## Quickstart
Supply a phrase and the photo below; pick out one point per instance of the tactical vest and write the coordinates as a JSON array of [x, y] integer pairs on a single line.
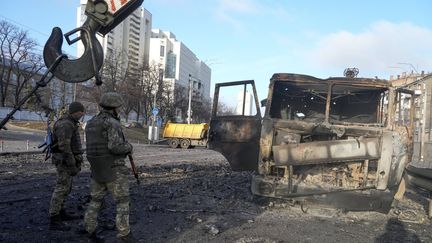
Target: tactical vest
[[100, 158], [96, 136], [75, 142]]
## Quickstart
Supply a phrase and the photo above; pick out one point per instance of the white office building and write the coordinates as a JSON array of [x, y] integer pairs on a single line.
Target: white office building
[[179, 64], [131, 37]]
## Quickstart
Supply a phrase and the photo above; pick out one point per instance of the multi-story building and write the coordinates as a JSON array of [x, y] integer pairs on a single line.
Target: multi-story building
[[141, 46], [131, 37], [417, 104], [179, 65]]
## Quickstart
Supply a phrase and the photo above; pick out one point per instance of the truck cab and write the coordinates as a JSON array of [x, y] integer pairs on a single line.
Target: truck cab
[[335, 141]]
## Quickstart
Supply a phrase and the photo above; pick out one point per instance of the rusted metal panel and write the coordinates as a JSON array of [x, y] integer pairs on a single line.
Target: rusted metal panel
[[369, 199], [237, 140], [384, 164], [332, 140], [238, 130], [236, 137], [300, 78], [327, 151], [303, 127]]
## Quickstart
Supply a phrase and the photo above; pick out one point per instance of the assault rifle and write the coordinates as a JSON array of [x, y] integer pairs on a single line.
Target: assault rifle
[[132, 163], [48, 141]]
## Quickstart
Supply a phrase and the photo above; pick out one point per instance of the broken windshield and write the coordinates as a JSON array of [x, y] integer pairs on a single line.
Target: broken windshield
[[355, 104], [348, 104], [299, 101]]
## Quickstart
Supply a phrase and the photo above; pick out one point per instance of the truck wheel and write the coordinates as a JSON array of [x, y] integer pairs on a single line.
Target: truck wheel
[[185, 143], [174, 143]]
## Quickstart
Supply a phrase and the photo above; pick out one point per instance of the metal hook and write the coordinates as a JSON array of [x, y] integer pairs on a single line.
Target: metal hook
[[83, 68]]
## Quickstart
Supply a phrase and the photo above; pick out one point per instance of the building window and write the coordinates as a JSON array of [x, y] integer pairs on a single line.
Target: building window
[[162, 51], [170, 67], [161, 73]]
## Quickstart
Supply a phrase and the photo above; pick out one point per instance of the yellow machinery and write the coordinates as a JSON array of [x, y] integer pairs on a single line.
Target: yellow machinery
[[186, 135]]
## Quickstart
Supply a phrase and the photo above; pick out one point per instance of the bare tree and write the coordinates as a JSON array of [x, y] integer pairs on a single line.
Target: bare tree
[[25, 74], [225, 110], [138, 93], [136, 86], [128, 89], [116, 77], [180, 100], [150, 88], [18, 65], [201, 111], [167, 110], [139, 87], [201, 108], [115, 70], [89, 94]]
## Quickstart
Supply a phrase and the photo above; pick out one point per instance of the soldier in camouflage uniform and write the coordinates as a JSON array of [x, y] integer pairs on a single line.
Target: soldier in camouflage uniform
[[106, 152], [67, 157]]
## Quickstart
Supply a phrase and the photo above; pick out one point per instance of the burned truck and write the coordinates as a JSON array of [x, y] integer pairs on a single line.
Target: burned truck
[[334, 141]]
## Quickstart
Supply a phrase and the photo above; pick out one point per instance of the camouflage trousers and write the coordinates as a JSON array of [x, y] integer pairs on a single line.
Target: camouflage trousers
[[119, 188], [61, 191]]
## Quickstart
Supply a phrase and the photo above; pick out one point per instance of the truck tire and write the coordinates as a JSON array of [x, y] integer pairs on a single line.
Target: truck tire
[[174, 143], [185, 143]]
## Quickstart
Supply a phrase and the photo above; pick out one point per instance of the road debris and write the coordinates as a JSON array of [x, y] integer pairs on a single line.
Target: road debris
[[206, 203]]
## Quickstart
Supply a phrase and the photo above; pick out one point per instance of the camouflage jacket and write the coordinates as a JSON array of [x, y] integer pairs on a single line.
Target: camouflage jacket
[[66, 144], [104, 136]]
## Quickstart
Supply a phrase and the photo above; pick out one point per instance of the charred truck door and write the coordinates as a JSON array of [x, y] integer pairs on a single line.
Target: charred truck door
[[235, 131]]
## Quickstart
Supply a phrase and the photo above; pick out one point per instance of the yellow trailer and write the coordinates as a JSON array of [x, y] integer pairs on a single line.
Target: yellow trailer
[[186, 135]]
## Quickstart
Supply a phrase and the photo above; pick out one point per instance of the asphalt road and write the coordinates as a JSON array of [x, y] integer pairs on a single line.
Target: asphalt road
[[193, 196], [190, 196], [15, 133], [17, 139]]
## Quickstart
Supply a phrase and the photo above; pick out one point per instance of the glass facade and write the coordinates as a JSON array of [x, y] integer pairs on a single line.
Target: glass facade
[[170, 68]]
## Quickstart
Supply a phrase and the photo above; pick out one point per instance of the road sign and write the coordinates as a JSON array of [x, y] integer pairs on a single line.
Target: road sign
[[155, 111]]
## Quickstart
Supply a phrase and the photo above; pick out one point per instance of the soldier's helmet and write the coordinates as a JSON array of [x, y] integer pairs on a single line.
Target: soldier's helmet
[[111, 100]]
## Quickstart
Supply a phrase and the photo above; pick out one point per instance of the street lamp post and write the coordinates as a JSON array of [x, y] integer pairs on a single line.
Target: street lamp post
[[154, 106], [153, 134], [74, 92], [189, 115]]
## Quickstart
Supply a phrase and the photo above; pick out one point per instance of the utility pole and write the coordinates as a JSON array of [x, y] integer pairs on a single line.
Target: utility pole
[[189, 115], [74, 91], [153, 133], [154, 106]]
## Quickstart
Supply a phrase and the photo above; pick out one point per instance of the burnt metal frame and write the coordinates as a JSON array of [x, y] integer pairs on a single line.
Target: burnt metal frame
[[331, 82], [234, 83], [330, 86]]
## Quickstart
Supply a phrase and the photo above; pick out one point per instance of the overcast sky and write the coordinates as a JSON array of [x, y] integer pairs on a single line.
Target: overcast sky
[[252, 39]]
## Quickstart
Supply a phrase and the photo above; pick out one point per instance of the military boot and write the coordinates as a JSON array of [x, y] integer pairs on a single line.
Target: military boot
[[129, 238], [67, 216], [56, 223], [94, 238]]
